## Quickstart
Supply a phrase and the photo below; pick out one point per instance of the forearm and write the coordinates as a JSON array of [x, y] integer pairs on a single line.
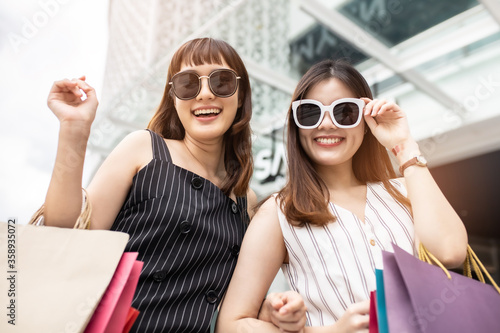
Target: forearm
[[321, 329], [252, 325], [437, 225], [63, 201]]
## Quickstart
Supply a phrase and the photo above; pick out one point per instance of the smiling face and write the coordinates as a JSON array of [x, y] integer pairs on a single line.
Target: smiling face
[[206, 118], [328, 145]]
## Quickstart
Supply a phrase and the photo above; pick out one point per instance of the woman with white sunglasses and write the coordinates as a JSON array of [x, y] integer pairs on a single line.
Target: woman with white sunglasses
[[341, 206]]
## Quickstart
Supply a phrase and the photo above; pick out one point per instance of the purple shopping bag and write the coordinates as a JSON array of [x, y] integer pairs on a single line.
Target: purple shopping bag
[[421, 299]]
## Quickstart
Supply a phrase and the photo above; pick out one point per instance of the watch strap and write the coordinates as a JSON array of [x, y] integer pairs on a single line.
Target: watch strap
[[412, 161]]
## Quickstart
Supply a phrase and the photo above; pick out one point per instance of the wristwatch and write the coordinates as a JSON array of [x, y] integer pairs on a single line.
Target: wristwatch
[[418, 160]]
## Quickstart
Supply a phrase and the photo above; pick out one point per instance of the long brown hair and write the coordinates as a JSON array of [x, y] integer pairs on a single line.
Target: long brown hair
[[237, 140], [304, 199]]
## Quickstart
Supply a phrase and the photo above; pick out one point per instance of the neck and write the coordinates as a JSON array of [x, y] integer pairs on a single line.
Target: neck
[[338, 177], [209, 156]]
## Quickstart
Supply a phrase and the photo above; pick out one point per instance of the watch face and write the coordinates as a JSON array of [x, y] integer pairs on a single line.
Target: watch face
[[421, 160]]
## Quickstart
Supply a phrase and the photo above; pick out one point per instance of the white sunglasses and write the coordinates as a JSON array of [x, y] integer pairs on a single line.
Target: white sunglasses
[[344, 112]]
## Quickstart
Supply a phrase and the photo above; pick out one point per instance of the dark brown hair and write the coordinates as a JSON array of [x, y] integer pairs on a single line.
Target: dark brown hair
[[304, 199], [237, 140]]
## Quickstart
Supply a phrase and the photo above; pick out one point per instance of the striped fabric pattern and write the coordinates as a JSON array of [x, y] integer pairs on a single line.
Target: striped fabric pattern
[[333, 266], [188, 233]]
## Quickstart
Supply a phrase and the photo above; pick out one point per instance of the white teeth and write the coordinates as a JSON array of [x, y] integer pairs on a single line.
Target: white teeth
[[328, 140], [206, 111]]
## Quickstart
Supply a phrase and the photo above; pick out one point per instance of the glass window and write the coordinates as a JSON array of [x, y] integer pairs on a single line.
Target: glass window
[[393, 21]]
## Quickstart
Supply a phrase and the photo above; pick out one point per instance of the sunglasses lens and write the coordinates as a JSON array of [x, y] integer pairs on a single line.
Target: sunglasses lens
[[186, 85], [308, 114], [346, 114], [223, 83]]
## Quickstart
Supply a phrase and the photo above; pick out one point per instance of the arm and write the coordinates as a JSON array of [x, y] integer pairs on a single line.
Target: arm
[[261, 255], [111, 183], [64, 196], [437, 225]]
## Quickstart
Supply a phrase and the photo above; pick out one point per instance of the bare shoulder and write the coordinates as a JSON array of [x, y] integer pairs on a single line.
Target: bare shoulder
[[137, 138], [268, 210], [136, 148]]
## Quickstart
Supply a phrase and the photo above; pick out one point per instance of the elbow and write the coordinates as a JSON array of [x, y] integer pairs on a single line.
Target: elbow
[[453, 251], [455, 257]]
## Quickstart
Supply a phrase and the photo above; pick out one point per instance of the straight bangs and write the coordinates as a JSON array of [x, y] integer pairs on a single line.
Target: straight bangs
[[199, 52]]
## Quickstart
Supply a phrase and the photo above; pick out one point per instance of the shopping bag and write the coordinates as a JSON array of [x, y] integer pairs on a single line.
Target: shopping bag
[[56, 276], [380, 306], [421, 298], [373, 324], [113, 312], [131, 317]]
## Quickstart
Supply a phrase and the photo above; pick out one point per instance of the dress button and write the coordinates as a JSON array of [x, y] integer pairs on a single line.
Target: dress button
[[372, 242], [197, 183], [235, 250], [159, 276], [185, 227], [234, 208], [211, 296]]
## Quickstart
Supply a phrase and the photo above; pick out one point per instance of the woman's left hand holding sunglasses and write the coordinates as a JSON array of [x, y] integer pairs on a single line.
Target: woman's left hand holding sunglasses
[[387, 122]]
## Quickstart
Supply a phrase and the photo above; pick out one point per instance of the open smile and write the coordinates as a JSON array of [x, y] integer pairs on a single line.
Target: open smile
[[329, 140], [211, 112]]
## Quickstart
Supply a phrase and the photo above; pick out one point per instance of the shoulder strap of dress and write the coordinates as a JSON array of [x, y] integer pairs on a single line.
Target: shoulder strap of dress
[[160, 149]]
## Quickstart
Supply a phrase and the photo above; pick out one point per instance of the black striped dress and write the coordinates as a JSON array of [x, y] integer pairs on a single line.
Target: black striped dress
[[188, 234]]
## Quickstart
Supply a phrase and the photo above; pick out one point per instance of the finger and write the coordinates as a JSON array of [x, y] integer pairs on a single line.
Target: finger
[[369, 106], [75, 90], [362, 307], [87, 89], [388, 107], [292, 306], [377, 107], [64, 86], [370, 121], [289, 302], [274, 300], [291, 317]]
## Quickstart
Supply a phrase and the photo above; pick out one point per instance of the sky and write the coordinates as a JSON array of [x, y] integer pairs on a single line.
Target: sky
[[40, 42]]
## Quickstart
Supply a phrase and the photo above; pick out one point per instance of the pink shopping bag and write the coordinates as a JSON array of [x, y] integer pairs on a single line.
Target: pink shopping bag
[[112, 315]]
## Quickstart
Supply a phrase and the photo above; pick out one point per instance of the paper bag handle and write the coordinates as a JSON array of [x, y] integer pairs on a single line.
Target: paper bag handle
[[83, 221], [470, 260]]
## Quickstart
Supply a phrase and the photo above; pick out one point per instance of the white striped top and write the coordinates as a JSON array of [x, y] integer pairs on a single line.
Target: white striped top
[[332, 266]]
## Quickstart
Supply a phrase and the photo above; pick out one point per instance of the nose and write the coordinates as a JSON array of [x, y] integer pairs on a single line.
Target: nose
[[326, 122], [205, 92]]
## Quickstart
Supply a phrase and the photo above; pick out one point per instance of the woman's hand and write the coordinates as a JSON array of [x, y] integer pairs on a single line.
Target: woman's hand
[[66, 102], [355, 319], [286, 311], [387, 122]]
